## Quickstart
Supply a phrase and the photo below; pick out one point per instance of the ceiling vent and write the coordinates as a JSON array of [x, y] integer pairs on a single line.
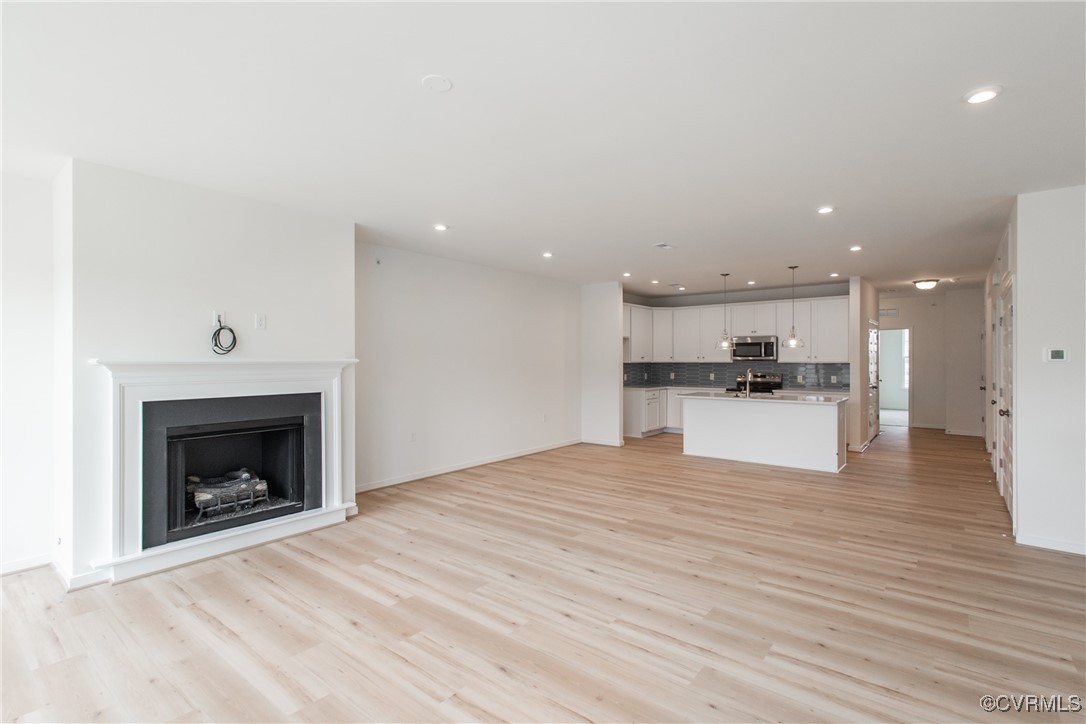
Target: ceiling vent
[[665, 247]]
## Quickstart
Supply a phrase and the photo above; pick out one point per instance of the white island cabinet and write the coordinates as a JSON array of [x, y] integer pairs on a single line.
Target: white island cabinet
[[793, 430]]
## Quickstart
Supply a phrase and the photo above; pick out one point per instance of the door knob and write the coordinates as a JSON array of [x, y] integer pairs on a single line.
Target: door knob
[[1004, 413], [993, 402]]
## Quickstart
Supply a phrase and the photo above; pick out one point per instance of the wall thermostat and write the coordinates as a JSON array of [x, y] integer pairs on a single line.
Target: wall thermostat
[[1055, 355]]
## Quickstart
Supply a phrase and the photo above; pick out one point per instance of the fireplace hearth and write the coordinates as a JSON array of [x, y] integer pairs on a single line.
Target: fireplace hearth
[[218, 463]]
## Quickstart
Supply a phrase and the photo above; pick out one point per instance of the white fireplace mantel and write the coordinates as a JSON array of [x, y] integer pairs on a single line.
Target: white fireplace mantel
[[134, 383]]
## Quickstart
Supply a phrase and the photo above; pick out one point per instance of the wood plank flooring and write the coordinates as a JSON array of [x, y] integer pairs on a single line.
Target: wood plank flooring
[[588, 583]]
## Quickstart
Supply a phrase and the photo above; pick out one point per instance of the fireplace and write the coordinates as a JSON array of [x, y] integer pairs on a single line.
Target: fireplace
[[218, 463]]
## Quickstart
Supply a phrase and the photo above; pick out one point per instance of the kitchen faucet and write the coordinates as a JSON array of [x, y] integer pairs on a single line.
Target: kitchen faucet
[[750, 373]]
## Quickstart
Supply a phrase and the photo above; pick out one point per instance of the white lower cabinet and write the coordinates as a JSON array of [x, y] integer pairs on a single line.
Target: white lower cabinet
[[674, 409], [644, 411]]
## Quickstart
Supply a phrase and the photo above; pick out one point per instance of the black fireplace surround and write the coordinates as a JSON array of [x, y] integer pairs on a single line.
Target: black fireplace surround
[[276, 438]]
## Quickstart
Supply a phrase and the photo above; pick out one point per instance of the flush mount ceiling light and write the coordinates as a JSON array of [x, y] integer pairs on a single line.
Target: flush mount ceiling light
[[983, 95], [440, 227], [547, 255], [655, 281], [825, 209], [625, 274], [926, 283], [682, 289], [436, 83], [726, 341], [855, 248], [751, 283], [835, 274], [793, 342]]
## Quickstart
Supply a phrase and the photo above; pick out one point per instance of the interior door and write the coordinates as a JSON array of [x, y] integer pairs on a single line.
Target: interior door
[[872, 382], [1004, 399]]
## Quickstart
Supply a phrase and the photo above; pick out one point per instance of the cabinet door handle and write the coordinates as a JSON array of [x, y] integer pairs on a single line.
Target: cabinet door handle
[[1004, 413]]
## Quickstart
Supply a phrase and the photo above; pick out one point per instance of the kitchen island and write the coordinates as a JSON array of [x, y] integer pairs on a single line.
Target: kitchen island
[[795, 430]]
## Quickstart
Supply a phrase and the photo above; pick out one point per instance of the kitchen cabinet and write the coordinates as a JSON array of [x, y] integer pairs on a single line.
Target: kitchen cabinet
[[803, 331], [821, 323], [662, 343], [829, 330], [640, 334], [674, 409], [643, 411], [748, 320], [696, 332]]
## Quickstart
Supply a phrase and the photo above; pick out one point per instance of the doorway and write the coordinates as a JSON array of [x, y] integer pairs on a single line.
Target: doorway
[[894, 377]]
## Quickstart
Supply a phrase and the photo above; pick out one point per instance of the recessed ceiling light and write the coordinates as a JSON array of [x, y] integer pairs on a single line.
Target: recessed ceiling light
[[825, 209], [436, 83], [855, 248], [750, 283], [547, 255], [440, 227], [625, 274], [682, 289], [926, 283], [835, 274], [655, 281], [983, 95]]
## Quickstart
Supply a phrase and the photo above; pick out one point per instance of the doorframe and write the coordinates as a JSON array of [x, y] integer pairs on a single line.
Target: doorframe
[[1006, 289], [909, 394]]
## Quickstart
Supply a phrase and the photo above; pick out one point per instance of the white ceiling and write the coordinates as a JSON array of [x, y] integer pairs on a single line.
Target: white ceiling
[[589, 130]]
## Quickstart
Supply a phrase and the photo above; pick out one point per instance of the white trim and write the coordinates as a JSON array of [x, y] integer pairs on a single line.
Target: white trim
[[1052, 544], [965, 433], [134, 383], [362, 487], [601, 441], [24, 564]]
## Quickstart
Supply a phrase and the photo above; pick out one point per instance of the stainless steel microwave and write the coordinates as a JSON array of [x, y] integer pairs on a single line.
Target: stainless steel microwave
[[754, 348]]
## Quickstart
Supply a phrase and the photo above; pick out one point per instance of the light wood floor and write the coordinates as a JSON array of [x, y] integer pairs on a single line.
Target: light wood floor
[[588, 583]]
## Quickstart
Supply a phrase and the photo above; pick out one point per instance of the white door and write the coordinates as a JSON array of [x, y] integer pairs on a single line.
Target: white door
[[872, 383], [1004, 399]]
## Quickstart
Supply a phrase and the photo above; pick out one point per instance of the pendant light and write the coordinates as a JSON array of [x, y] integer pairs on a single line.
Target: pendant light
[[725, 342], [793, 342]]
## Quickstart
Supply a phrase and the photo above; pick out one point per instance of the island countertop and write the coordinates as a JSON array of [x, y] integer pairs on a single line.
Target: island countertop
[[820, 398]]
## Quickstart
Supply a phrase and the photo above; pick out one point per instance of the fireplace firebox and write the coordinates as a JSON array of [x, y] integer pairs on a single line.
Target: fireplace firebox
[[217, 463]]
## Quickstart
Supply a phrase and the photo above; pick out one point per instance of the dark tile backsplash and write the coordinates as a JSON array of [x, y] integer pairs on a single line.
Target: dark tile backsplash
[[687, 374]]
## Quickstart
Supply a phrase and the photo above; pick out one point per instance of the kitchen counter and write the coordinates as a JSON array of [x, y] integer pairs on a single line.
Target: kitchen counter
[[789, 429]]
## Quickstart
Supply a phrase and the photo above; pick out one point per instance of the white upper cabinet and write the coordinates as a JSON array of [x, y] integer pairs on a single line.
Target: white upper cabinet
[[803, 331], [662, 344], [695, 332], [640, 334], [748, 320], [686, 335], [712, 328], [829, 330]]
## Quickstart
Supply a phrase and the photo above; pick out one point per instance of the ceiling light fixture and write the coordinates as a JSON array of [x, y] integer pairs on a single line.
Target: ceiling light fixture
[[440, 227], [682, 289], [983, 95], [926, 283], [751, 283], [725, 342], [436, 83], [655, 281], [825, 209], [625, 274], [835, 275], [793, 342], [547, 255], [855, 248]]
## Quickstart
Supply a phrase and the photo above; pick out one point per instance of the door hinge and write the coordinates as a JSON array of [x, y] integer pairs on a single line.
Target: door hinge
[[1001, 462]]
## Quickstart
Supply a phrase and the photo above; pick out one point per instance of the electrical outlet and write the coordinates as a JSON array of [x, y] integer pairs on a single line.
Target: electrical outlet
[[646, 375], [833, 379], [672, 375], [217, 318], [260, 321], [799, 379], [625, 377], [712, 376]]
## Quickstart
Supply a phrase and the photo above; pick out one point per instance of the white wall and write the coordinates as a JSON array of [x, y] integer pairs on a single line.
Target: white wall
[[151, 259], [601, 363], [26, 380], [964, 351], [1050, 397], [924, 316], [460, 364]]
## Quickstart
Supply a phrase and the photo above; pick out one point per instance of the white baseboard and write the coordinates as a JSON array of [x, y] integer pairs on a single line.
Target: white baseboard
[[24, 564], [363, 487], [601, 441], [1052, 544], [967, 433], [84, 580]]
